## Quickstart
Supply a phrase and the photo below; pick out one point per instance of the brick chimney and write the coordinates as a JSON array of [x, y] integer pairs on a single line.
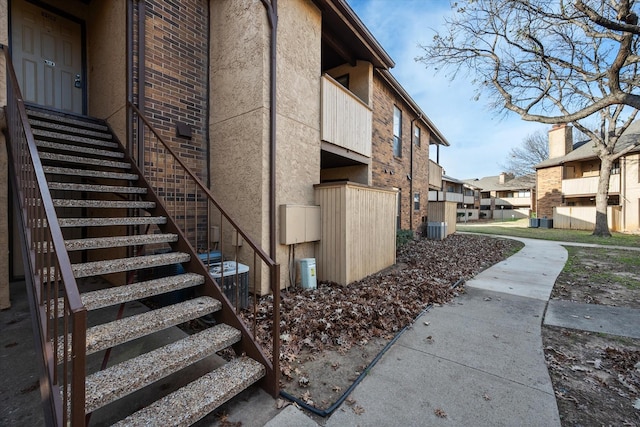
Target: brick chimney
[[502, 178], [560, 140]]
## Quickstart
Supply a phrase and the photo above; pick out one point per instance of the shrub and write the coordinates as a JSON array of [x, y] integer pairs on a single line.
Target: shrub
[[403, 237]]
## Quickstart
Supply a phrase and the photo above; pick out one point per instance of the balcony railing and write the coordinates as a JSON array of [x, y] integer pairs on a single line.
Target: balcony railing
[[507, 201], [588, 186], [435, 175], [346, 120], [469, 200]]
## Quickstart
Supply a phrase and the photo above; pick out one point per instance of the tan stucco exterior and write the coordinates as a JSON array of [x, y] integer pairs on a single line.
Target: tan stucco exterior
[[4, 174], [106, 68], [239, 118], [630, 192]]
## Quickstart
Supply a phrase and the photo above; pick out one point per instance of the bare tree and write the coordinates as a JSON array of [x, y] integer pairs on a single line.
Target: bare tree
[[551, 61], [522, 159]]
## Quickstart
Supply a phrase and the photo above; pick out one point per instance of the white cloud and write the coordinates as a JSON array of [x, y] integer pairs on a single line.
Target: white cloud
[[480, 138]]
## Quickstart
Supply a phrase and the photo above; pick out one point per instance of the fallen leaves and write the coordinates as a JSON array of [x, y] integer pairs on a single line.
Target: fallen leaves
[[440, 413], [334, 317]]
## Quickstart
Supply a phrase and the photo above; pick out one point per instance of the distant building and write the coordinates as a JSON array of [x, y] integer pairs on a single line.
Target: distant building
[[505, 196], [567, 182]]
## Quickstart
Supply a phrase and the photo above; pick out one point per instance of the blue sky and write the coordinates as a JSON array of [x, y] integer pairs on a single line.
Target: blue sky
[[480, 138]]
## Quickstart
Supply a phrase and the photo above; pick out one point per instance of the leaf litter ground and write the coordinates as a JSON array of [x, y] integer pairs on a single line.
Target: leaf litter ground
[[329, 335]]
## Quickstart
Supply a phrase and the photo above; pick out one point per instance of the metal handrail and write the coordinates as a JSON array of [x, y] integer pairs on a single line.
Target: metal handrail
[[170, 159], [49, 266]]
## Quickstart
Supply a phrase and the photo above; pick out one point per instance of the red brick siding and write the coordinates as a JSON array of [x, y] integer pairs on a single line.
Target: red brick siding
[[549, 191], [392, 172], [176, 61]]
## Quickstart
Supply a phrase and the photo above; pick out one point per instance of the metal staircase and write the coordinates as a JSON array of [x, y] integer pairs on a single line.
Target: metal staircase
[[86, 210]]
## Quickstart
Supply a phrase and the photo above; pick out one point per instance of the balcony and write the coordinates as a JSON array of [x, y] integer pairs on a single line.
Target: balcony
[[588, 186], [346, 120], [469, 200], [435, 175], [445, 196], [515, 202]]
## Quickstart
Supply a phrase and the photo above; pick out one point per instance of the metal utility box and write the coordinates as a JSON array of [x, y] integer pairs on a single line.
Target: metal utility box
[[233, 278], [308, 273], [299, 224]]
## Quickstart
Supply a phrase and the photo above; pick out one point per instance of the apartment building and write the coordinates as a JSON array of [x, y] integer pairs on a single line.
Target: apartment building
[[567, 182]]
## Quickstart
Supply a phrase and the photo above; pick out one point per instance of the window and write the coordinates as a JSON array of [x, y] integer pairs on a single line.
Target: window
[[397, 132], [416, 201], [416, 136], [615, 168]]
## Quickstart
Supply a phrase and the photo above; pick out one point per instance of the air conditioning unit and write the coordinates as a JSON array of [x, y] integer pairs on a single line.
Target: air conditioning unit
[[436, 230]]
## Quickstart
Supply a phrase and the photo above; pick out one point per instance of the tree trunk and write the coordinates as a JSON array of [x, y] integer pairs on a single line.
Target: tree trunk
[[602, 226]]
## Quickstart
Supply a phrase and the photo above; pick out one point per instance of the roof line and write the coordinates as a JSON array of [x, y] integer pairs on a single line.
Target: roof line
[[388, 77]]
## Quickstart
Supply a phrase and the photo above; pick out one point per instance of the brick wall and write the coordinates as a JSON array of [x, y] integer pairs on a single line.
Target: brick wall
[[549, 191], [176, 75], [389, 171]]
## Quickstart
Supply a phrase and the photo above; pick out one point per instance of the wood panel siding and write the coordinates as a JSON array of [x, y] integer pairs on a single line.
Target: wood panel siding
[[435, 175], [346, 120], [588, 186], [357, 229], [584, 217], [444, 212]]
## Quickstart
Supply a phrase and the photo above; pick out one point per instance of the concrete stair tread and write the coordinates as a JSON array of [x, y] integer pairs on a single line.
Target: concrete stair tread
[[96, 268], [195, 400], [102, 298], [107, 335], [57, 118], [98, 222], [84, 160], [62, 130], [89, 173], [122, 379], [118, 204], [94, 188], [118, 241], [79, 149]]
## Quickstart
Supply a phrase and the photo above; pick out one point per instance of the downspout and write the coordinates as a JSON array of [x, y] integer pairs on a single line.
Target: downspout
[[272, 15]]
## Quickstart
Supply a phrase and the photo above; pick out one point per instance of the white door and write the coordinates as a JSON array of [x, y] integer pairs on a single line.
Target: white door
[[47, 56]]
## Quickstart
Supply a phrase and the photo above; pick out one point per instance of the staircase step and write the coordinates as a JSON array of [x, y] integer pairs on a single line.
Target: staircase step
[[116, 204], [61, 131], [44, 134], [78, 149], [92, 188], [121, 294], [84, 160], [107, 335], [191, 403], [122, 379], [57, 118], [89, 173], [96, 268], [98, 222], [118, 241]]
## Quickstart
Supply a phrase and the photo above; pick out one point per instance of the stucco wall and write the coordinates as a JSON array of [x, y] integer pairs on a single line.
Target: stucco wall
[[4, 199], [360, 79], [106, 68], [631, 193], [239, 117]]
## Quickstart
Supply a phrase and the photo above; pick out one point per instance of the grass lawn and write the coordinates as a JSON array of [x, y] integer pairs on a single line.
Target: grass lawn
[[520, 228]]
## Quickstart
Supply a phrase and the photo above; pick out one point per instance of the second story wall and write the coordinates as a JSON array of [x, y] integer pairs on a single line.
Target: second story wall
[[393, 171]]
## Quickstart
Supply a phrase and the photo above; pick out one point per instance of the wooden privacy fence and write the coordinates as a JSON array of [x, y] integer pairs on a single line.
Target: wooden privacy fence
[[358, 233], [584, 217]]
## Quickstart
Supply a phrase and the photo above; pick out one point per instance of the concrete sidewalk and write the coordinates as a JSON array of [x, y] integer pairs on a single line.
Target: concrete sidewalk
[[479, 360]]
